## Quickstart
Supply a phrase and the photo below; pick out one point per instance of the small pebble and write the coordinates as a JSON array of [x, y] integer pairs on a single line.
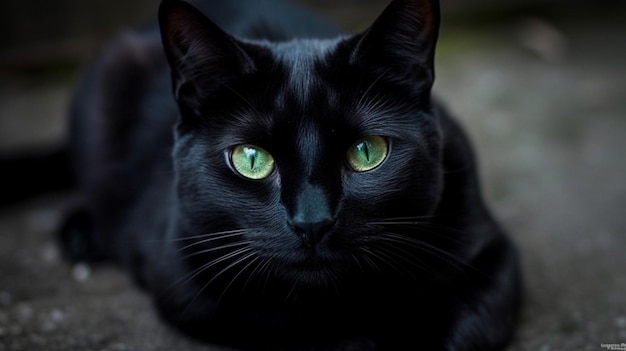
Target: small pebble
[[57, 315], [50, 253], [81, 272], [5, 299], [24, 312], [545, 348], [621, 322]]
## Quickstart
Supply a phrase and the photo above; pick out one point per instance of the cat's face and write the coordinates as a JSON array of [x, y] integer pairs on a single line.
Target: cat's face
[[303, 159]]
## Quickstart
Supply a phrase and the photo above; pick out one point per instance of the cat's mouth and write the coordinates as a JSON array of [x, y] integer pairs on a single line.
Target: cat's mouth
[[311, 268], [311, 276]]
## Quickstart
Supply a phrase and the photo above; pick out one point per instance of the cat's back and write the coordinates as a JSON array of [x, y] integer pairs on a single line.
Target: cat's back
[[274, 20]]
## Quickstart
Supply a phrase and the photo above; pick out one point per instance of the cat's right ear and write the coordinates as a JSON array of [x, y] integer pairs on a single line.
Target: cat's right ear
[[200, 54], [402, 41]]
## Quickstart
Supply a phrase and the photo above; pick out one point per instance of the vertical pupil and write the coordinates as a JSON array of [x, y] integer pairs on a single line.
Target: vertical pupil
[[251, 155], [363, 147]]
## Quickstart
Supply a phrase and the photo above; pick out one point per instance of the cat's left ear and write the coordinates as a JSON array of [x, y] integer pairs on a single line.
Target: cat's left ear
[[199, 52], [402, 39]]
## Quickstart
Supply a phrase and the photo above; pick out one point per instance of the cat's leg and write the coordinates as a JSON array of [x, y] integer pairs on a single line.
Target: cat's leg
[[487, 316], [77, 238]]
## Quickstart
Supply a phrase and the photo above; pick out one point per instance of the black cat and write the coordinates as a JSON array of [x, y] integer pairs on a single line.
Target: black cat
[[312, 196]]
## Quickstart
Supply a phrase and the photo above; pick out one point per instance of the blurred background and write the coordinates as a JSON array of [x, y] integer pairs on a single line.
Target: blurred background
[[540, 85]]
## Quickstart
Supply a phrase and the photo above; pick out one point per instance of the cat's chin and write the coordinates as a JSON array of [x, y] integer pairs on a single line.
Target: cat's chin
[[311, 278], [310, 271]]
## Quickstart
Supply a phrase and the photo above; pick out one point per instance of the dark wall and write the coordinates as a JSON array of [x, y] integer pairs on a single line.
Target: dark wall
[[35, 32]]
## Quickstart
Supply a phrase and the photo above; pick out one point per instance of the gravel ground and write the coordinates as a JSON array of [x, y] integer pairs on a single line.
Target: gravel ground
[[545, 104]]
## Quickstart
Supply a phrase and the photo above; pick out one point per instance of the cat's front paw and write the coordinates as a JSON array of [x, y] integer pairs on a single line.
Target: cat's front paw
[[76, 238]]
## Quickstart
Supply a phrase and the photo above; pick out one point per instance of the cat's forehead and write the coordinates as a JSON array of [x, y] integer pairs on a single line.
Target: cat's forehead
[[300, 52], [300, 58]]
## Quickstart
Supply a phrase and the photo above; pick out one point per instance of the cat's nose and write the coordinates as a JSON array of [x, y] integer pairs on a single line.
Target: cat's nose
[[312, 219], [312, 232]]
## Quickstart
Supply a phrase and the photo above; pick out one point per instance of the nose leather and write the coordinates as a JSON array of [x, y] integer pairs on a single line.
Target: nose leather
[[312, 219]]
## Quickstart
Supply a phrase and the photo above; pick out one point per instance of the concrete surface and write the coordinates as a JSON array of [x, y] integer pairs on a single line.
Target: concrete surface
[[543, 98]]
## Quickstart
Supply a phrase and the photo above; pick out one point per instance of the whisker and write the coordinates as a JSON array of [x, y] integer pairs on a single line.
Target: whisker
[[413, 260], [424, 227], [373, 255], [201, 236], [409, 220], [451, 234], [266, 271], [294, 289], [236, 262], [449, 258], [204, 237], [396, 223], [368, 260], [213, 237], [239, 260], [191, 275], [221, 247], [259, 269], [391, 260], [332, 278], [358, 263]]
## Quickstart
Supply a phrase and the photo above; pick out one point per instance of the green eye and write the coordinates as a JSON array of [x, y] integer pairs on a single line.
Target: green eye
[[367, 153], [252, 161]]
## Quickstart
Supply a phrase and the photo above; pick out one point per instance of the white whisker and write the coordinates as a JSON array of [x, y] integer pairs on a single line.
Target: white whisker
[[258, 270], [200, 236], [225, 257], [239, 260], [369, 260], [390, 257], [213, 237], [358, 263], [216, 248], [435, 251], [191, 275], [294, 289]]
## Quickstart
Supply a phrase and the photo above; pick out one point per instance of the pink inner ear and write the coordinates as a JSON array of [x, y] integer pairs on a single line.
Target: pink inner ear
[[425, 12], [180, 24], [428, 17], [406, 31]]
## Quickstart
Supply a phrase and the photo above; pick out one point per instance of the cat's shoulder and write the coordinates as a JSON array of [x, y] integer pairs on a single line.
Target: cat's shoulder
[[131, 53]]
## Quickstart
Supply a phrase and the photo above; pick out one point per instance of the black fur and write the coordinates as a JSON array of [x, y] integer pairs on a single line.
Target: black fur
[[31, 173], [316, 256]]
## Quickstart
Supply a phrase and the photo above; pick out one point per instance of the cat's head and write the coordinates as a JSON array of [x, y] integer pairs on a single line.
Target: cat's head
[[302, 159]]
